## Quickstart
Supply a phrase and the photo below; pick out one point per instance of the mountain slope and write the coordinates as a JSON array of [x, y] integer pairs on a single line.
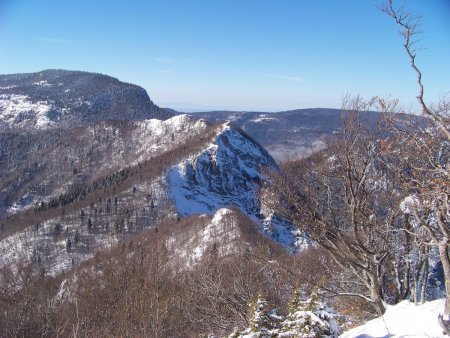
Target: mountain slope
[[82, 165], [103, 181], [229, 172], [36, 166], [58, 216], [61, 98]]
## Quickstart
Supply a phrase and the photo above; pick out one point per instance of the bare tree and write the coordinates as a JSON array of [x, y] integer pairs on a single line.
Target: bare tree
[[25, 301], [344, 200], [409, 29], [426, 156]]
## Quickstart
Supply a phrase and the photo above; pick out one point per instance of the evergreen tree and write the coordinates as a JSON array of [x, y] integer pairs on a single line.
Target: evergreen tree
[[258, 315], [309, 318], [264, 322]]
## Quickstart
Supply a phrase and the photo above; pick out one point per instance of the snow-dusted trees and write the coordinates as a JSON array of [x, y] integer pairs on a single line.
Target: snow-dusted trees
[[263, 320], [425, 156], [307, 318], [344, 200], [348, 198]]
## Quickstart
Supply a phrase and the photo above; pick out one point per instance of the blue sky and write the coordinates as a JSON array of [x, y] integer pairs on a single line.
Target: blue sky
[[266, 55]]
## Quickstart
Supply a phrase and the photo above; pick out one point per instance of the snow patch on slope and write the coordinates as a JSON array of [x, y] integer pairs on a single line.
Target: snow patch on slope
[[155, 136], [39, 243], [218, 235], [284, 233], [20, 110], [217, 230], [262, 118], [42, 83], [23, 203]]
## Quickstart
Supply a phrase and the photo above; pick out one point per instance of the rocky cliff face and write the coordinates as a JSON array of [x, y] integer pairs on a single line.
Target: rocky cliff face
[[229, 172]]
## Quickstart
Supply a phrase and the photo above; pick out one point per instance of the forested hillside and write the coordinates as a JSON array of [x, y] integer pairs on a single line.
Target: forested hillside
[[61, 98]]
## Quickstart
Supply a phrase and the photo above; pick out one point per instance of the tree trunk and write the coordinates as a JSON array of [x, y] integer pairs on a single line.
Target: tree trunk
[[376, 294], [406, 281], [424, 286], [443, 254], [416, 283], [403, 282], [444, 320]]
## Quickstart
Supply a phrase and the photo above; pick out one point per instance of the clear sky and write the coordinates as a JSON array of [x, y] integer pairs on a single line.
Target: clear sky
[[266, 55]]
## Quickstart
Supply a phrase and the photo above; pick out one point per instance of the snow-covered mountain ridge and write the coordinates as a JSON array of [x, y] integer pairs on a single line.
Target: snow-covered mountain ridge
[[82, 162], [229, 172], [90, 151], [130, 151], [137, 174]]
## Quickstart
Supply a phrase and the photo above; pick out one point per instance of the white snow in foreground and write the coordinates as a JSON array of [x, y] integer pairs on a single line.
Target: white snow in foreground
[[403, 320]]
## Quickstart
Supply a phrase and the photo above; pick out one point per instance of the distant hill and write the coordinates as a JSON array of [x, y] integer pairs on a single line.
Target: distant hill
[[62, 98], [286, 135]]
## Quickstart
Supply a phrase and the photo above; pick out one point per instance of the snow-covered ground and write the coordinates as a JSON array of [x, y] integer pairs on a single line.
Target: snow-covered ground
[[47, 242], [217, 230], [263, 117], [403, 320]]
